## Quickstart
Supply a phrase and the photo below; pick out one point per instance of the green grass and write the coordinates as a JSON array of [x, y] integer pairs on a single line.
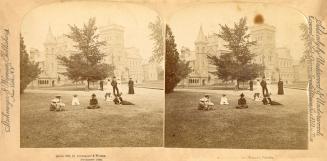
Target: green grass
[[139, 125], [258, 127]]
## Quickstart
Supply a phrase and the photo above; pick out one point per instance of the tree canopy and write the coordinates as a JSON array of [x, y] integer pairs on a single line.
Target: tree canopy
[[175, 69], [236, 63], [29, 70], [157, 35], [87, 62]]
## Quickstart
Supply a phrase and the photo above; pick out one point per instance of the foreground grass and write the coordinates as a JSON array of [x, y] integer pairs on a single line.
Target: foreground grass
[[259, 127], [110, 126]]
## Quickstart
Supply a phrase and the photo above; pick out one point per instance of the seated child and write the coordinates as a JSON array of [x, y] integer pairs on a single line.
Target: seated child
[[75, 100], [56, 104], [242, 102], [93, 102], [119, 100], [224, 100], [107, 96], [256, 96], [205, 103]]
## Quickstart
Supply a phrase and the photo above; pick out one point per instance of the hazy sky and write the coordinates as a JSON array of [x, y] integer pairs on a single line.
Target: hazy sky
[[134, 18], [185, 24]]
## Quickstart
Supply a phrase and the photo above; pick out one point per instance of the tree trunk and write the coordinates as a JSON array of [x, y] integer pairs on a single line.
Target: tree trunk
[[88, 84]]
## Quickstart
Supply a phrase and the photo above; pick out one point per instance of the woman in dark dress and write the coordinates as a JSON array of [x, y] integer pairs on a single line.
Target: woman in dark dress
[[130, 86], [280, 87]]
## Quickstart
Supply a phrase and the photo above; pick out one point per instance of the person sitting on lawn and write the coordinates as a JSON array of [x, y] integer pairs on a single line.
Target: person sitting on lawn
[[224, 100], [267, 101], [119, 100], [75, 100], [242, 102], [205, 103], [56, 104], [93, 102]]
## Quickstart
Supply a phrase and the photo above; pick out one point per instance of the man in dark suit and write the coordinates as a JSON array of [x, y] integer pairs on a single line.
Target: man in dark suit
[[263, 84], [114, 86]]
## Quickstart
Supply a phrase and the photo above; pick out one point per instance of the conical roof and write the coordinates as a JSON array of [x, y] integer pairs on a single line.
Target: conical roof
[[50, 39], [201, 37]]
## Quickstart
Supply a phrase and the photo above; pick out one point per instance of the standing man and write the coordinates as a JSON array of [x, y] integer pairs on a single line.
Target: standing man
[[280, 87], [263, 84], [101, 85], [114, 86], [130, 86], [251, 85]]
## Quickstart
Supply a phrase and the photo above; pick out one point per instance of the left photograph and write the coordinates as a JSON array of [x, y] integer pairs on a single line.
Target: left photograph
[[91, 75]]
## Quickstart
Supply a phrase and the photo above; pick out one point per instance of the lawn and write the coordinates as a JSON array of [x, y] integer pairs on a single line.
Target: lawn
[[258, 127], [112, 125]]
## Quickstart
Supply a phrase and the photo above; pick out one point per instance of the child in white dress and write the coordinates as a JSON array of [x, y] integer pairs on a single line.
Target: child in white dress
[[224, 100], [75, 100], [257, 91]]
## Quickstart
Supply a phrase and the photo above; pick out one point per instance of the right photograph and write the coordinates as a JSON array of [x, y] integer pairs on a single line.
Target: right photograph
[[236, 77]]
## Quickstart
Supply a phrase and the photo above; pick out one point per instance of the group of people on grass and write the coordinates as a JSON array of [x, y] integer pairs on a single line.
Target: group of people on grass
[[264, 87], [206, 104], [58, 105]]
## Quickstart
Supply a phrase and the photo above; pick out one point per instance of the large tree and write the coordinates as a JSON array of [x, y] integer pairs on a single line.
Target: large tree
[[236, 64], [157, 35], [29, 70], [175, 69], [87, 62]]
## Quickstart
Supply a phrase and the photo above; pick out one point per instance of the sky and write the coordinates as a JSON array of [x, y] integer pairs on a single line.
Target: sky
[[185, 24], [134, 18]]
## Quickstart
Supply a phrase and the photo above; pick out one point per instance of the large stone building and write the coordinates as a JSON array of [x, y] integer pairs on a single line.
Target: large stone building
[[198, 61], [51, 69], [127, 60], [278, 62]]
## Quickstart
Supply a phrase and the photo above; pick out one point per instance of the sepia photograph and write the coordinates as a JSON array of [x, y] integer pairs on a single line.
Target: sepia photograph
[[236, 77], [91, 75]]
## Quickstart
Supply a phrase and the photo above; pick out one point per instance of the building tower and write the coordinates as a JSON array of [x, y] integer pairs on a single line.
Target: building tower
[[113, 35], [264, 35], [201, 57], [50, 55]]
